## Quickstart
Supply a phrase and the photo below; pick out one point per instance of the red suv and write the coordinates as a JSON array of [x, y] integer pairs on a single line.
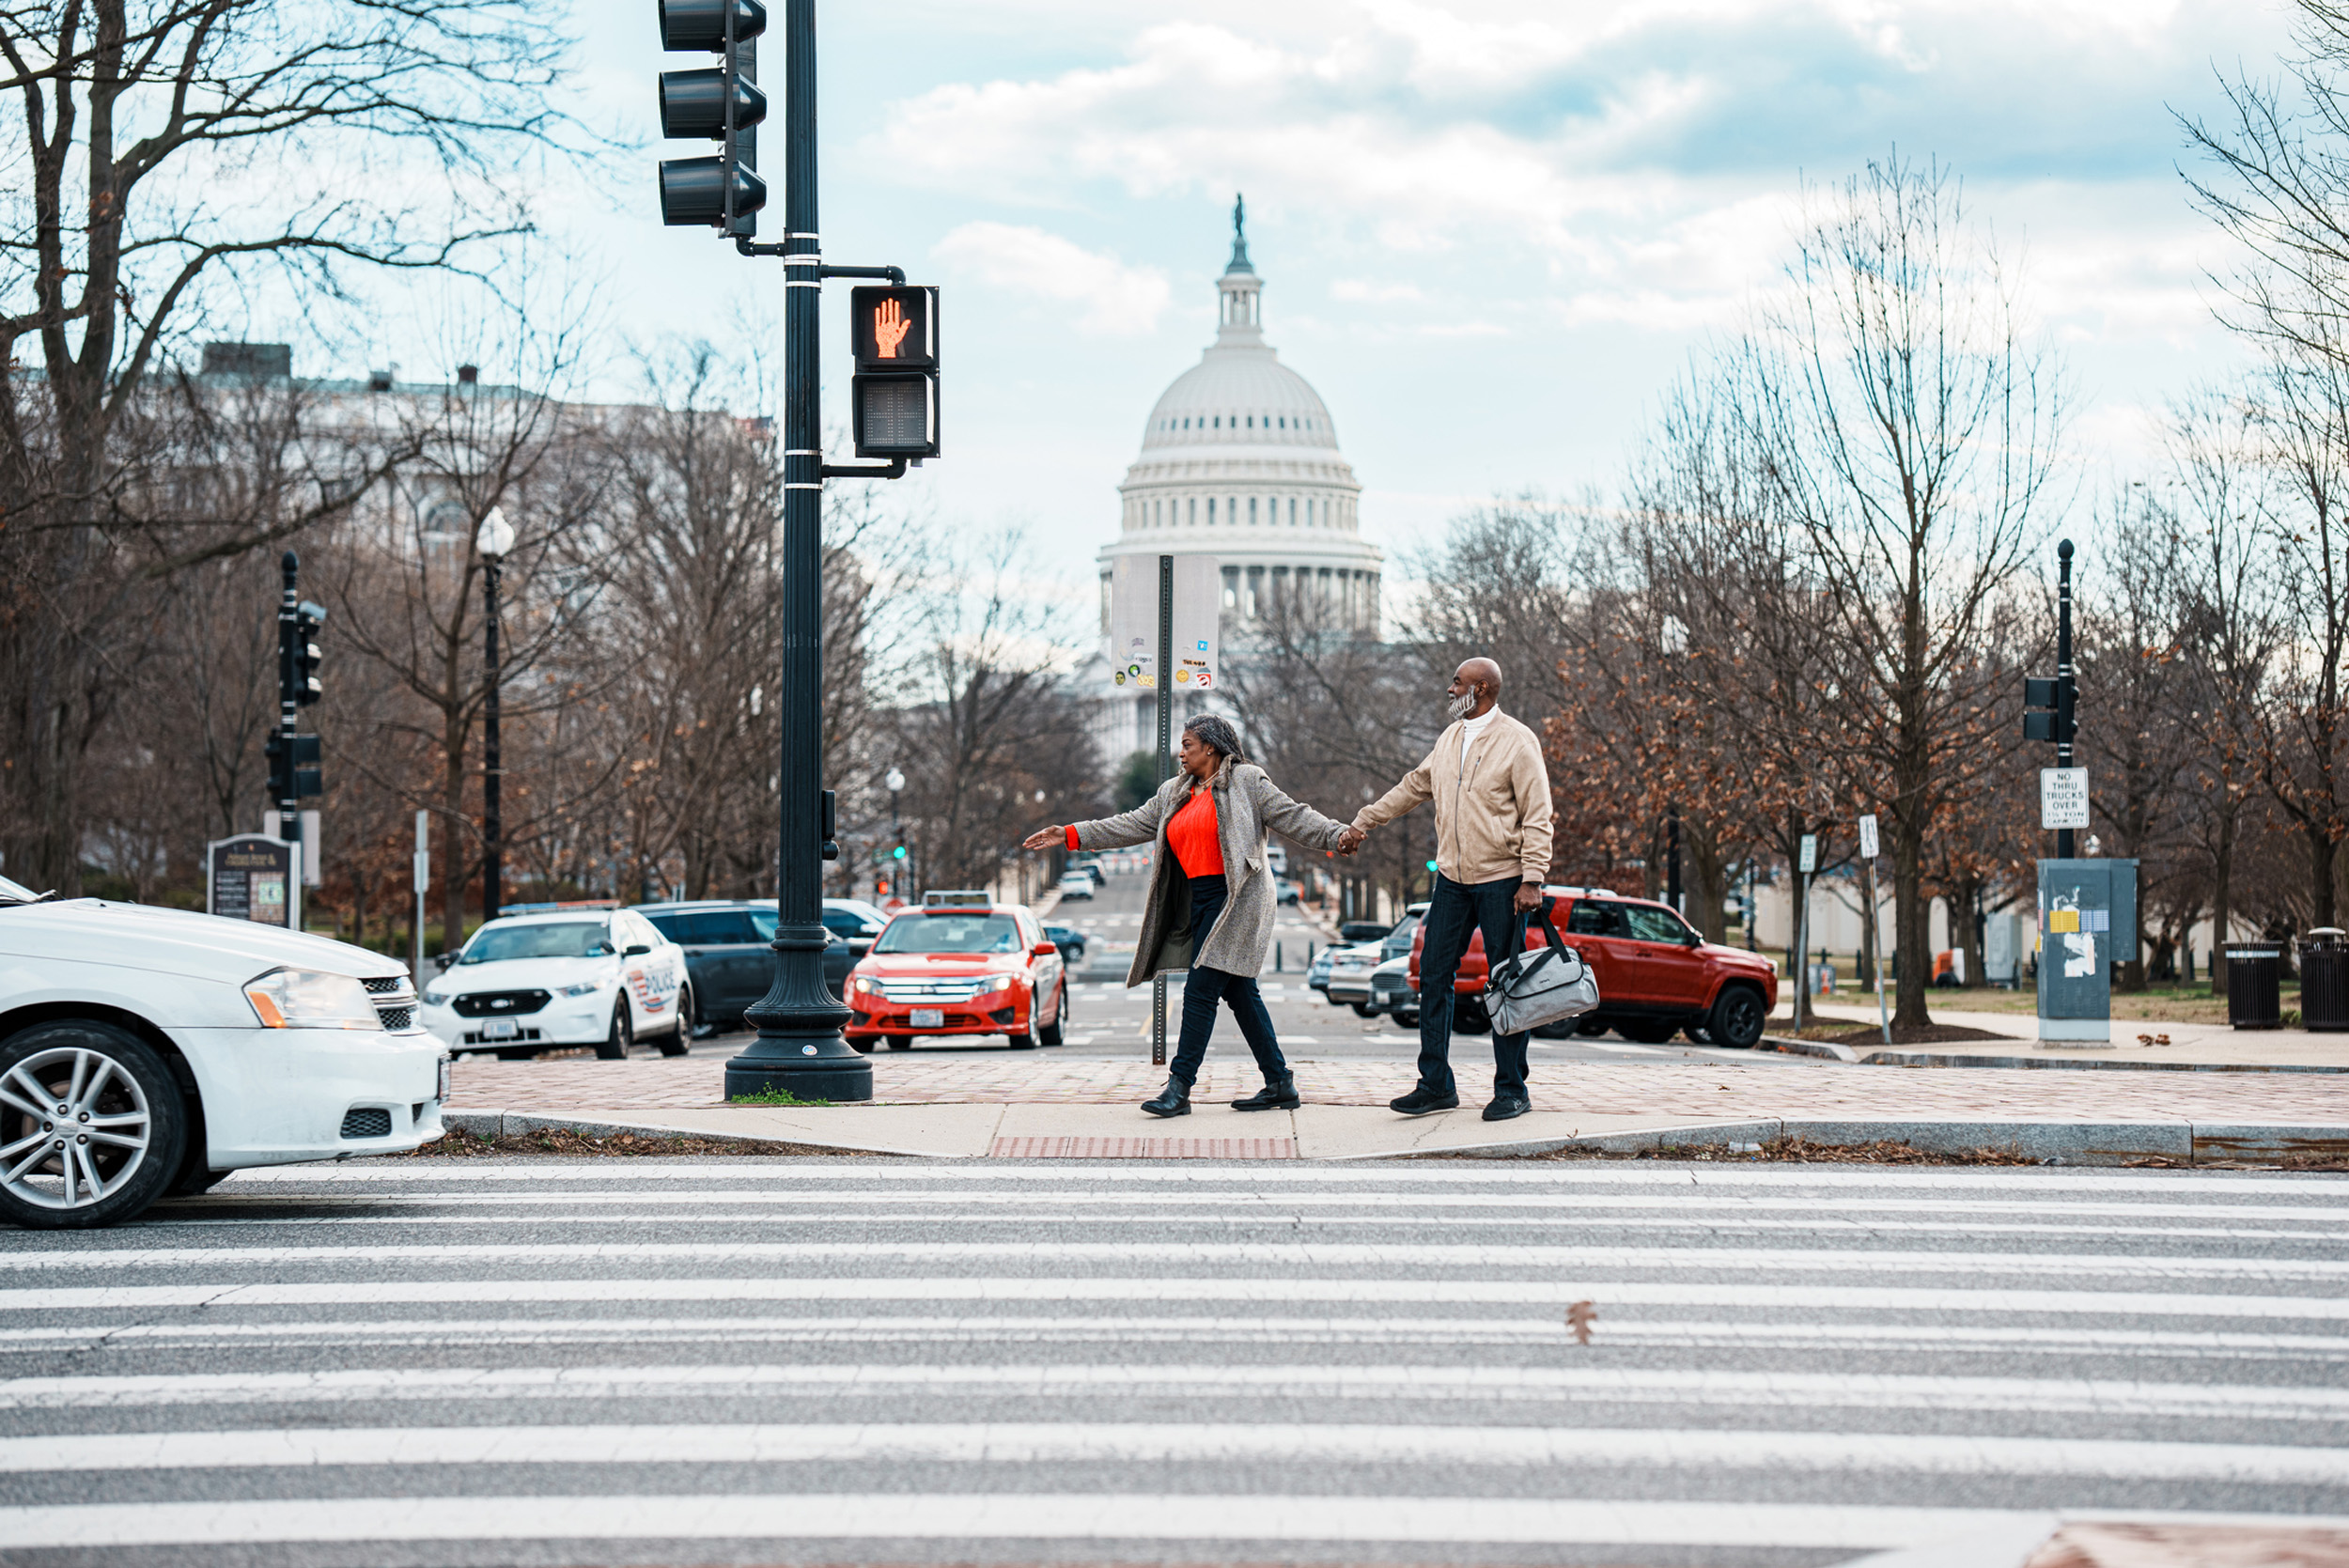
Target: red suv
[[1655, 975]]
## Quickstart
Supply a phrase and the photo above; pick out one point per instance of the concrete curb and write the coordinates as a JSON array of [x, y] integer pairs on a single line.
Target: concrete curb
[[1897, 1056], [1788, 1045], [2050, 1142]]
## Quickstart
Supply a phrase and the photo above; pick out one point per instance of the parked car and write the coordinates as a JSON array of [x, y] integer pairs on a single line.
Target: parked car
[[955, 971], [1355, 931], [854, 922], [576, 975], [1391, 992], [1286, 891], [1655, 975], [1075, 885], [1317, 972], [1070, 942], [182, 1046], [1349, 977], [730, 959]]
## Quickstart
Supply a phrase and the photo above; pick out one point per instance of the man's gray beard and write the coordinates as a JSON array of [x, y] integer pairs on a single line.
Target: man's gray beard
[[1461, 706]]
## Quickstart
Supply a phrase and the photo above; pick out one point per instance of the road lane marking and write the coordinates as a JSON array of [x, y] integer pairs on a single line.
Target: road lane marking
[[1833, 1298], [1254, 1328], [1011, 1516], [1029, 1443], [1713, 1387], [1192, 1254]]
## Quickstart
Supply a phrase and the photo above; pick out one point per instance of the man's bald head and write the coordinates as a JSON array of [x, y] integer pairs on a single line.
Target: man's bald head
[[1475, 687]]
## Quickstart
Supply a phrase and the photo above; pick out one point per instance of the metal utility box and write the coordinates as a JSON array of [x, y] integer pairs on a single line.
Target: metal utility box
[[2087, 924]]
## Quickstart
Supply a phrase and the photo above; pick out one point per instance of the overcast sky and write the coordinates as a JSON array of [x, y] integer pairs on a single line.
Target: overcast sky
[[1489, 231]]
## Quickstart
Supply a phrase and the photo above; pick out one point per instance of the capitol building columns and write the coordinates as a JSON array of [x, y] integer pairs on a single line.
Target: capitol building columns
[[1239, 461]]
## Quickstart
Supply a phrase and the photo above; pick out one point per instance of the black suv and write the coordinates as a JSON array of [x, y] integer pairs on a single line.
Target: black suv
[[727, 956]]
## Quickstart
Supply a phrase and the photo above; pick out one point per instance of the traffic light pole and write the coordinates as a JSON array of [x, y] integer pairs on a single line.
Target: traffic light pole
[[2066, 721], [289, 673], [798, 1051]]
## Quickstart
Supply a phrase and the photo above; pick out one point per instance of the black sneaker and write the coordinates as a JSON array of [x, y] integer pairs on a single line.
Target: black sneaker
[[1506, 1107], [1422, 1100]]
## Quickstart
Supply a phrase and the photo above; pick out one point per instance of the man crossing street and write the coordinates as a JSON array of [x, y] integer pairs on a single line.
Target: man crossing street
[[1491, 791]]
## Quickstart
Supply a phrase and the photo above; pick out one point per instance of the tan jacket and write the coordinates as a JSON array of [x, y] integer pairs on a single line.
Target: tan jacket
[[1492, 814]]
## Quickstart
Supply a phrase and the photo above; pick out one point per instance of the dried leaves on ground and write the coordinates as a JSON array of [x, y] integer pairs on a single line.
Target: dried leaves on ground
[[571, 1143], [1884, 1150]]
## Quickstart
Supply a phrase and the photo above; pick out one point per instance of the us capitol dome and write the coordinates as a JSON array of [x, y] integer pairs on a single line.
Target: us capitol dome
[[1239, 461]]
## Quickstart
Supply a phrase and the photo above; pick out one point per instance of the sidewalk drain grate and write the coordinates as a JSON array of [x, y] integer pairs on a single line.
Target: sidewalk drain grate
[[1144, 1148]]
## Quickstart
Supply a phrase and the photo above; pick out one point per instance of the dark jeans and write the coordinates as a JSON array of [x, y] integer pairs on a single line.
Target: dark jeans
[[1206, 986], [1457, 910]]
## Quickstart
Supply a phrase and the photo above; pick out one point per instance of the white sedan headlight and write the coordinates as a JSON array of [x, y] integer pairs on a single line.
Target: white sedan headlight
[[436, 999], [585, 988], [310, 999]]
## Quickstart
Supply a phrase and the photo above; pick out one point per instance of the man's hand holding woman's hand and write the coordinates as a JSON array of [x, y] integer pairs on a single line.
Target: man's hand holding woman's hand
[[1044, 838], [1351, 840]]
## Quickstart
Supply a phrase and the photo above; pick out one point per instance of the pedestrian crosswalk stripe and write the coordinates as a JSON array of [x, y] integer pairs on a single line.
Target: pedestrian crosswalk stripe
[[1254, 1328], [1950, 1300], [1192, 1254], [1065, 1380], [817, 1171], [1018, 1443], [1016, 1517]]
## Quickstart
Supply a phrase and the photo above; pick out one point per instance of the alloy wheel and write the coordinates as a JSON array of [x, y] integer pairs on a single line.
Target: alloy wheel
[[74, 1128]]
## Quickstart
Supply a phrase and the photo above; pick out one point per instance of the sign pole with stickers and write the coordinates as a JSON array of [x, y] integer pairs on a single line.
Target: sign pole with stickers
[[1867, 847], [1806, 861], [1164, 635]]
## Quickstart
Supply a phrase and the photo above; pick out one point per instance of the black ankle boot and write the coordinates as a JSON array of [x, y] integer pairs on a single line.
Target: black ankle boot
[[1173, 1100], [1278, 1094]]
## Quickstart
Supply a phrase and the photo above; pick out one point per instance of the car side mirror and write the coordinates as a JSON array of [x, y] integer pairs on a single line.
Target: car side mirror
[[635, 950], [1044, 950], [440, 961]]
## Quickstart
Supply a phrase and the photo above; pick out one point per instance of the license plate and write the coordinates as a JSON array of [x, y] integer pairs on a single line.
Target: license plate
[[441, 1088], [499, 1029], [929, 1017]]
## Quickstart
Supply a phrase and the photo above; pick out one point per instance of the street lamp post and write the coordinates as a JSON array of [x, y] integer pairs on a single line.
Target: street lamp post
[[798, 1051], [496, 541], [896, 782]]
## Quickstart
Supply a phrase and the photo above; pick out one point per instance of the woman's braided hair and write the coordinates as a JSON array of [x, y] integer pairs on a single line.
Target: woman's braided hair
[[1216, 733]]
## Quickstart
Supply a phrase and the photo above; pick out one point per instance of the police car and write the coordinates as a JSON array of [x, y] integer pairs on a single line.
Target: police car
[[562, 974]]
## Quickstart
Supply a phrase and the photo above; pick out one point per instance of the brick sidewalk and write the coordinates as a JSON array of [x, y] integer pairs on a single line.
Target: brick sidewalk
[[1697, 1090]]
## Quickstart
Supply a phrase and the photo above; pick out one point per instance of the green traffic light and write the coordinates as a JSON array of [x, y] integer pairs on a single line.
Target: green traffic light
[[1431, 865], [898, 853]]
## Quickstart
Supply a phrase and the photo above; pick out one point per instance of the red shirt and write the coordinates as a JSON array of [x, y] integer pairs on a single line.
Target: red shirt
[[1190, 834]]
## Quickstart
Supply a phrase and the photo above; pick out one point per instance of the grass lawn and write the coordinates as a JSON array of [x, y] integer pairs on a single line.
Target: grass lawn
[[2154, 1004]]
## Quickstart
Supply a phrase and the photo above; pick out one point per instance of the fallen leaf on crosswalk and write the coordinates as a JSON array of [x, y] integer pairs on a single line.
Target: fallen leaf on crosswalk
[[1580, 1317]]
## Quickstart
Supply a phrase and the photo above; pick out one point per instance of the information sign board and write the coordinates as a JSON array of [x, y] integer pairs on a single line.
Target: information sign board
[[1868, 837], [1809, 859], [255, 877]]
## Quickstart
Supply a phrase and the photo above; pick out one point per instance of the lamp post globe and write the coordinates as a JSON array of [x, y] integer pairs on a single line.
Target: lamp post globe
[[495, 536]]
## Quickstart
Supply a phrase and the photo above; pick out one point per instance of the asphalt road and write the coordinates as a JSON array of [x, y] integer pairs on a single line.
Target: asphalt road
[[908, 1362], [1108, 1019]]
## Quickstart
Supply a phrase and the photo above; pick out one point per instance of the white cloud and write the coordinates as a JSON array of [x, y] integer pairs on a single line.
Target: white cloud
[[1117, 301]]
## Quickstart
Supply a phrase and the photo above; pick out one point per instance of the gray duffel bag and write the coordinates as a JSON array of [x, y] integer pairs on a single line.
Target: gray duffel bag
[[1528, 989]]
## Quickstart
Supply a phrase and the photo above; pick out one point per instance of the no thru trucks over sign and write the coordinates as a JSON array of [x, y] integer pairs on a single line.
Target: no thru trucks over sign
[[2064, 797]]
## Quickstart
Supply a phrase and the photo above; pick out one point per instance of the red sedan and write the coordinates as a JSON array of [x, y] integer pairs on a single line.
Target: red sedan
[[951, 969]]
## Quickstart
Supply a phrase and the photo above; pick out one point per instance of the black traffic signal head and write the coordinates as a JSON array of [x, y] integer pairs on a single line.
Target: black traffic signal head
[[309, 619], [893, 327], [2038, 692], [702, 23], [720, 104]]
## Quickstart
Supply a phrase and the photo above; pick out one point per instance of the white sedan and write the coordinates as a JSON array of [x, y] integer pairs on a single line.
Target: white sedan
[[585, 975], [146, 1051]]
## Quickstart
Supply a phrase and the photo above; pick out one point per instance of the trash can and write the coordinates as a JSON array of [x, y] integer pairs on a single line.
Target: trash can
[[2254, 970], [2324, 980]]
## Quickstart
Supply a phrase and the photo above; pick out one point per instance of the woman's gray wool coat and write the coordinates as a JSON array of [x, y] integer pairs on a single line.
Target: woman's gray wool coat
[[1246, 804]]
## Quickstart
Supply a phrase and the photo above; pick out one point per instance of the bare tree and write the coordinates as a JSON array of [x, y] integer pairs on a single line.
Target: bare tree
[[1912, 430], [170, 153]]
